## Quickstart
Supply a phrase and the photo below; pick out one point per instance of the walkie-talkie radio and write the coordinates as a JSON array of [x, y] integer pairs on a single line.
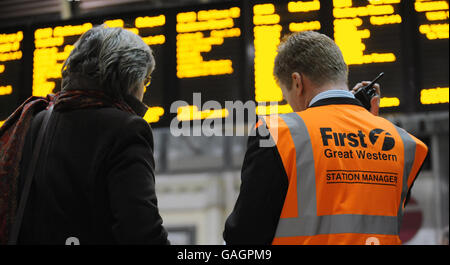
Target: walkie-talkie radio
[[366, 93]]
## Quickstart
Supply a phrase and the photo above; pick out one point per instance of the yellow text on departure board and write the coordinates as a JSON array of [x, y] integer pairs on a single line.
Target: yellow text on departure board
[[198, 33], [350, 34], [52, 48], [143, 23], [50, 53], [266, 40], [436, 95], [10, 44], [436, 15], [188, 113], [5, 90], [267, 31], [153, 114]]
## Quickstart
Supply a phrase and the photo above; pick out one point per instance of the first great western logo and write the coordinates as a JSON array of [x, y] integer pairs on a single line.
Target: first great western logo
[[374, 146]]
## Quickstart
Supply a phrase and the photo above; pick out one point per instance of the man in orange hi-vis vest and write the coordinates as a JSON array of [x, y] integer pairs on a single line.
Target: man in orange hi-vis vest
[[335, 173]]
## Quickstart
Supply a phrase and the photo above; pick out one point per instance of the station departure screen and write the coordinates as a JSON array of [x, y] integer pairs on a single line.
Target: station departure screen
[[11, 44], [54, 43], [208, 61], [433, 42], [368, 33], [202, 53], [271, 21]]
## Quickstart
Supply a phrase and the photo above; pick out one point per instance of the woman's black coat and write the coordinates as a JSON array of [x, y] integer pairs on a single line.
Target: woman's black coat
[[94, 181]]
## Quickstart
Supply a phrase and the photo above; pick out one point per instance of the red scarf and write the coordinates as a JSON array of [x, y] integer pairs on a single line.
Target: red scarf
[[12, 139]]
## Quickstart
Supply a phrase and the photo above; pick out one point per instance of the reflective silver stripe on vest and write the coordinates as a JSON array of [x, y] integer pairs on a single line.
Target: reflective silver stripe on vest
[[308, 223], [337, 224], [409, 147], [306, 185]]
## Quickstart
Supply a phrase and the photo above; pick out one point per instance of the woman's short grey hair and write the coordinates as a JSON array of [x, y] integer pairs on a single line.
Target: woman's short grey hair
[[116, 60], [313, 54]]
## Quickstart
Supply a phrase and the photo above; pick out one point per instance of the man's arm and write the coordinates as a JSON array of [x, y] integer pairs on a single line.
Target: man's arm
[[263, 189]]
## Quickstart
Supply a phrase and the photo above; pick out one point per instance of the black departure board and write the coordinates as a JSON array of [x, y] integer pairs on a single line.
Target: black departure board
[[368, 32], [271, 21], [208, 60], [53, 44], [224, 52], [11, 65], [433, 31]]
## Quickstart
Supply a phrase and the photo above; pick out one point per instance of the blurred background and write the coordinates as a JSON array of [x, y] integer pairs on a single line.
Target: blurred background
[[225, 51]]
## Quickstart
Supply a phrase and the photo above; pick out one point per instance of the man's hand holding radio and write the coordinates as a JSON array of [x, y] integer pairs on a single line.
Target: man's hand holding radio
[[375, 102]]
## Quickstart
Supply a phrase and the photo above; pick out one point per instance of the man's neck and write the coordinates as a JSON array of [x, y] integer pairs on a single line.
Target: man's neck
[[330, 86]]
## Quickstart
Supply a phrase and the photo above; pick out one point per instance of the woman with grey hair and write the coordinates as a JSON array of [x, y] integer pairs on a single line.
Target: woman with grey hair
[[94, 181]]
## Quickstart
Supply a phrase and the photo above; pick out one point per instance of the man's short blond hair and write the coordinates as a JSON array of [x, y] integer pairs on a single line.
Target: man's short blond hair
[[312, 54]]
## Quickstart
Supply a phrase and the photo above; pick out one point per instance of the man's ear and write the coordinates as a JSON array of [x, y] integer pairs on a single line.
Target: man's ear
[[297, 83]]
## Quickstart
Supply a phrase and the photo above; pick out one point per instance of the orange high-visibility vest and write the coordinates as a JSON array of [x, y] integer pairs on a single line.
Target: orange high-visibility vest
[[349, 173]]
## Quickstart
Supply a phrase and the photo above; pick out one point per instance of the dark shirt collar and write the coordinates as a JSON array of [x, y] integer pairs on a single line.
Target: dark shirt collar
[[138, 107]]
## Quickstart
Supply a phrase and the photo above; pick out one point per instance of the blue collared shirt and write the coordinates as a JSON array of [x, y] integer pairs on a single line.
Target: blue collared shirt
[[334, 93]]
